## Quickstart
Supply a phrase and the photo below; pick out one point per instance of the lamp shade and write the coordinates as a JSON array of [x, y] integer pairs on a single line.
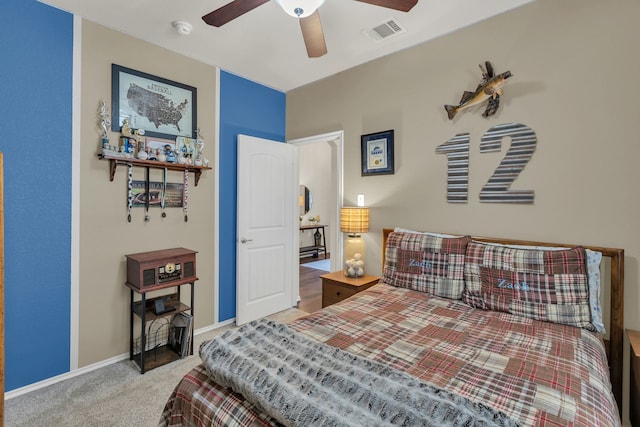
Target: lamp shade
[[300, 8], [354, 220]]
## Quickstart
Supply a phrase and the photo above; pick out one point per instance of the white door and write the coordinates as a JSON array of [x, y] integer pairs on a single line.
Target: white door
[[267, 195]]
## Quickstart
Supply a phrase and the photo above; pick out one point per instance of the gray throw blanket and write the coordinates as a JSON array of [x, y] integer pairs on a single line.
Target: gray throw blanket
[[301, 382]]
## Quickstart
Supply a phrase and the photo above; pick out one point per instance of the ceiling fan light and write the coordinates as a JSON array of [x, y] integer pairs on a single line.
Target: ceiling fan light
[[300, 8]]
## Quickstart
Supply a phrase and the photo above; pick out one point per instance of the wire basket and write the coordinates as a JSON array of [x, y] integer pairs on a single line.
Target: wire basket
[[157, 335], [162, 332]]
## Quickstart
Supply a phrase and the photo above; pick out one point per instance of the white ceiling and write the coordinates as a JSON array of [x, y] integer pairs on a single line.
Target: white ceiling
[[266, 46]]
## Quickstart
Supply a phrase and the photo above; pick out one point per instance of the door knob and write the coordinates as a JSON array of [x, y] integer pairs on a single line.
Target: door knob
[[243, 240]]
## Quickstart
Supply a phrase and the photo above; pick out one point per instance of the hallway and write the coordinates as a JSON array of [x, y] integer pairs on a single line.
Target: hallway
[[310, 286]]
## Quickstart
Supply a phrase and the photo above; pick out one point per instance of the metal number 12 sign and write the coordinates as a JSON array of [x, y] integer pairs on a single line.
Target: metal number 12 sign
[[496, 190]]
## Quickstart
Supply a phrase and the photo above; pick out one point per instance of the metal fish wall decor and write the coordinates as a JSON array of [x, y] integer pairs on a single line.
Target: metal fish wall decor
[[490, 88]]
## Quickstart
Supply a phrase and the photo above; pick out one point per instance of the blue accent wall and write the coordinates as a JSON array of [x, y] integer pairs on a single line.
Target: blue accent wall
[[35, 137], [246, 108]]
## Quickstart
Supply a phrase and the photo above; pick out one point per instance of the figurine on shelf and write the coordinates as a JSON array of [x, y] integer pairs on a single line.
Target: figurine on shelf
[[160, 155], [199, 161], [105, 123], [184, 150], [131, 147], [171, 156], [140, 142], [142, 151], [126, 128], [125, 147]]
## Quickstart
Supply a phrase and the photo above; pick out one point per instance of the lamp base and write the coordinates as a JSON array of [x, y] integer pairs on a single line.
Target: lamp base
[[354, 257]]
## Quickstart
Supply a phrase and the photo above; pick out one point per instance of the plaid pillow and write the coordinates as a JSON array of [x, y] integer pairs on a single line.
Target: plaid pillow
[[551, 285], [426, 263]]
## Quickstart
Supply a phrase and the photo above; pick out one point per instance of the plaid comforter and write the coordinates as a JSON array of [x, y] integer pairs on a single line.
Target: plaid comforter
[[538, 373]]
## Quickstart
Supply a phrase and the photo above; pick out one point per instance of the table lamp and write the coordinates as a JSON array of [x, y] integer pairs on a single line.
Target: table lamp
[[354, 221]]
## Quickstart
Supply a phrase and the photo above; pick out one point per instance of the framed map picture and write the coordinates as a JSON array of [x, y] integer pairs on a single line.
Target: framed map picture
[[163, 108], [377, 153]]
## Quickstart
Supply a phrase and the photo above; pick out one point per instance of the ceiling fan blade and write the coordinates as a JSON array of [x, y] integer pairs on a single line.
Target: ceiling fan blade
[[313, 35], [401, 5], [231, 11]]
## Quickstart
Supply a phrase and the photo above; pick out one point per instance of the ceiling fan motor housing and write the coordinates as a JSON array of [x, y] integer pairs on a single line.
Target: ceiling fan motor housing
[[300, 8]]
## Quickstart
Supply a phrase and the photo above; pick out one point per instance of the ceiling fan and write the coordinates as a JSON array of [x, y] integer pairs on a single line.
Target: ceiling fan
[[305, 10]]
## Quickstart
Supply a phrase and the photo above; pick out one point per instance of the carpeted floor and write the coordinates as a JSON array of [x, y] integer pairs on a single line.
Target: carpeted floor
[[116, 395]]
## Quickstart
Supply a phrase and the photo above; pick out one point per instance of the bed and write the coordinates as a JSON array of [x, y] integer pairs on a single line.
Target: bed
[[445, 333]]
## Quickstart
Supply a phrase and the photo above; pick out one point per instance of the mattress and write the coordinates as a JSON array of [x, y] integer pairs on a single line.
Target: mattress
[[537, 373]]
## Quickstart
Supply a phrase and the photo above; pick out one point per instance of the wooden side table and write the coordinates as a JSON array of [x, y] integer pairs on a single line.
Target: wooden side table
[[337, 287], [634, 377]]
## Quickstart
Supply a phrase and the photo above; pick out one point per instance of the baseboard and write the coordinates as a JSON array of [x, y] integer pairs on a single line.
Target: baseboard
[[59, 378]]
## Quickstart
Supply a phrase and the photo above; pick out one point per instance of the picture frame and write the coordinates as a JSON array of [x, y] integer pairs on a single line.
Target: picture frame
[[173, 196], [162, 108], [377, 153], [159, 143]]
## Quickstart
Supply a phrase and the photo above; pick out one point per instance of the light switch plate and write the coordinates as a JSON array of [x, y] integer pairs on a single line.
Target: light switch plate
[[360, 199]]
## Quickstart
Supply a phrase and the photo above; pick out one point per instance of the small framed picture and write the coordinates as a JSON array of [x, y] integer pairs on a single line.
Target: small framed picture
[[377, 153], [159, 143], [173, 193]]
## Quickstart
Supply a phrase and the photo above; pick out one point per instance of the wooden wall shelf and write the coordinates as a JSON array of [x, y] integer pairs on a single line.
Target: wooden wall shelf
[[154, 164]]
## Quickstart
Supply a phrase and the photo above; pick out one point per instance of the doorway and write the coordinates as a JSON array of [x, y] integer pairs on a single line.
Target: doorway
[[327, 178]]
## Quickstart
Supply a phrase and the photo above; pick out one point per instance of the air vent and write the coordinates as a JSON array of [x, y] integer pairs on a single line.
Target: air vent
[[387, 29]]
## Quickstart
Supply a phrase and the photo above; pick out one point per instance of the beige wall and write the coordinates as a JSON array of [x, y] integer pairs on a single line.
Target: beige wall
[[105, 234], [575, 65], [314, 163]]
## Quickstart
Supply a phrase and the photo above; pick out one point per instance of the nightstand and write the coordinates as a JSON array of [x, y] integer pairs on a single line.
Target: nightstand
[[336, 286], [634, 377]]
